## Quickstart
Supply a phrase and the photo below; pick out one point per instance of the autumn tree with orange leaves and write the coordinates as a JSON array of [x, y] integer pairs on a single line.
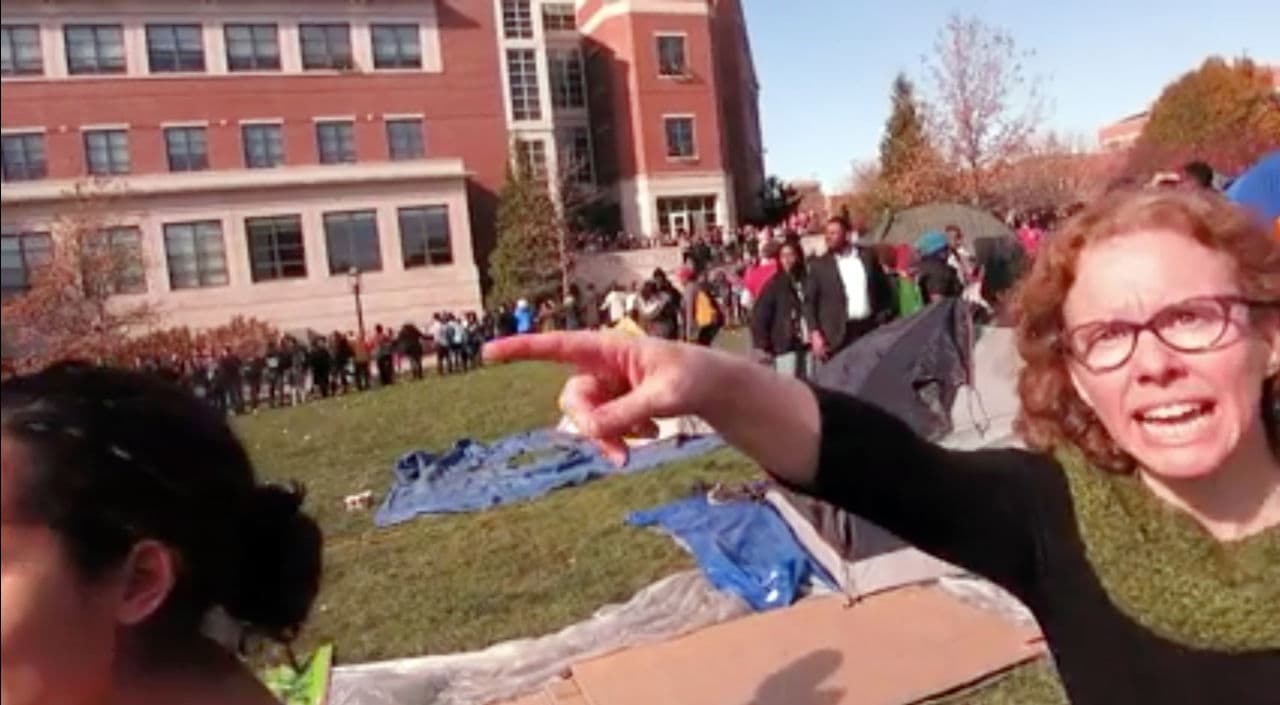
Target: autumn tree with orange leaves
[[80, 302], [1227, 114]]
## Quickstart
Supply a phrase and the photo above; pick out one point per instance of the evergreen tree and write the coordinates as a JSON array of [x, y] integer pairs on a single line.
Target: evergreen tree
[[529, 259], [910, 168]]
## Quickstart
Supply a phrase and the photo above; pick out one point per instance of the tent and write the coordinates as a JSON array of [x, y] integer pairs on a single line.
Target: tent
[[912, 368], [904, 226], [1258, 189]]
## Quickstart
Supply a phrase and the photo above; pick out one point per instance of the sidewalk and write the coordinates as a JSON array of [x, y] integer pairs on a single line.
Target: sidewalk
[[893, 648]]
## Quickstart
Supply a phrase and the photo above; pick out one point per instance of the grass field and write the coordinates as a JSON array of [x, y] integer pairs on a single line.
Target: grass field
[[440, 584]]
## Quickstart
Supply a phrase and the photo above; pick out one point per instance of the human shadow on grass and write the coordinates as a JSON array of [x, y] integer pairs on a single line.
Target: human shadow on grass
[[802, 682]]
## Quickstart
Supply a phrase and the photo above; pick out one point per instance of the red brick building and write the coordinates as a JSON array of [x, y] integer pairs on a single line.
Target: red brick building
[[260, 151]]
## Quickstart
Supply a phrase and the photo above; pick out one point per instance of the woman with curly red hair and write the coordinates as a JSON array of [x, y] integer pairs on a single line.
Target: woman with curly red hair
[[1141, 525]]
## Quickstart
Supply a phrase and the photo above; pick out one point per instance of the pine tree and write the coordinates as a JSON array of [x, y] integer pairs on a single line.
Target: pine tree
[[529, 259], [910, 168]]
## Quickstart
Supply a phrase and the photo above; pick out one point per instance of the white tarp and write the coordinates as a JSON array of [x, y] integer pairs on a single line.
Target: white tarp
[[668, 608]]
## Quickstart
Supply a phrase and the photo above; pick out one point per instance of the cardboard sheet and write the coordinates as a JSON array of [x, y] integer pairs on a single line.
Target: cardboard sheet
[[893, 648]]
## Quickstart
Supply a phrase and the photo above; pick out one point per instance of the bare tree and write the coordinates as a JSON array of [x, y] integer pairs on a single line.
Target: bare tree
[[984, 105], [74, 307]]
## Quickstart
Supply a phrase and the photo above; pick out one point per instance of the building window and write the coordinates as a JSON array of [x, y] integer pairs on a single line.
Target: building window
[[20, 53], [558, 17], [275, 248], [517, 19], [196, 255], [679, 137], [575, 154], [175, 47], [686, 214], [94, 48], [252, 47], [263, 146], [522, 74], [396, 46], [125, 272], [424, 236], [568, 84], [351, 238], [404, 139], [336, 141], [24, 157], [326, 46], [531, 156], [21, 254], [187, 148], [106, 152], [671, 60]]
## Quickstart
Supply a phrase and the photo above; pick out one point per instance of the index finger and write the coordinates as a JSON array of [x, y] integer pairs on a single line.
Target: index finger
[[577, 348]]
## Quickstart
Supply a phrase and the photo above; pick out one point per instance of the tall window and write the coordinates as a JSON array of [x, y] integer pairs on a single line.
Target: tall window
[[252, 47], [532, 158], [336, 141], [186, 148], [671, 61], [24, 157], [326, 46], [424, 236], [21, 254], [106, 152], [351, 237], [517, 19], [558, 17], [568, 85], [195, 254], [263, 145], [94, 48], [679, 137], [175, 47], [275, 248], [396, 46], [126, 273], [404, 139], [522, 74], [20, 50], [575, 154]]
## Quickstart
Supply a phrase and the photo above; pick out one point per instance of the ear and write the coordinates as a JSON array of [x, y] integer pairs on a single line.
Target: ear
[[1079, 386], [147, 578]]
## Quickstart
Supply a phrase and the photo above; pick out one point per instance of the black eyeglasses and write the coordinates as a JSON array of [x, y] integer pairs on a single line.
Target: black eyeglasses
[[1196, 325]]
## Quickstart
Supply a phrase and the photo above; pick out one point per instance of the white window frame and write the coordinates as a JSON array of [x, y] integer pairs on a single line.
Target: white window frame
[[657, 53], [693, 136]]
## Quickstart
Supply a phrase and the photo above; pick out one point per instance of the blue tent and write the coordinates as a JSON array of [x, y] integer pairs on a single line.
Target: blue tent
[[1258, 189]]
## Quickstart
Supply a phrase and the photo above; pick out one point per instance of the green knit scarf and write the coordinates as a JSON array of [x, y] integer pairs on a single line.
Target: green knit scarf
[[1163, 570]]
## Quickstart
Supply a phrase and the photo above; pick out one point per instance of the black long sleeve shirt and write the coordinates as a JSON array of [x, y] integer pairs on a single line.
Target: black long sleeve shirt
[[1008, 515]]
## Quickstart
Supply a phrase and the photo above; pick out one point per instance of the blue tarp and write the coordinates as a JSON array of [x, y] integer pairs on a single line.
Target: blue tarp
[[1259, 188], [742, 546], [473, 476]]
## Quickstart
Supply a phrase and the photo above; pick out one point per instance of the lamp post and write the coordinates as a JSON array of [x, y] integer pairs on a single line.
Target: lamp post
[[353, 276]]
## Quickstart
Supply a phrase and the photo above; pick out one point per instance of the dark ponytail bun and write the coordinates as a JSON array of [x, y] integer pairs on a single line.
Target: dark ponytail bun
[[278, 574]]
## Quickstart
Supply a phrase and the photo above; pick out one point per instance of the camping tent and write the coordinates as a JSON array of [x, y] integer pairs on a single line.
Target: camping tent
[[904, 226]]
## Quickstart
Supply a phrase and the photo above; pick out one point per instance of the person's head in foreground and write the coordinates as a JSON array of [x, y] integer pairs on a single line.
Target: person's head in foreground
[[791, 258], [1151, 334], [129, 514], [836, 234]]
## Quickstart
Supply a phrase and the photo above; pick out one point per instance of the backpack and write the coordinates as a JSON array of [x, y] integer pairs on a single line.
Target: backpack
[[705, 311]]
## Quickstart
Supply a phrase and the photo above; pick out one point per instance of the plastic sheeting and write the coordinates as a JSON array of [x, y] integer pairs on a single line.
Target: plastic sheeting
[[668, 608], [473, 476], [742, 546]]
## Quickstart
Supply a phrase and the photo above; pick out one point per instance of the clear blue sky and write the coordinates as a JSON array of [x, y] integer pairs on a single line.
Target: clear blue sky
[[825, 66]]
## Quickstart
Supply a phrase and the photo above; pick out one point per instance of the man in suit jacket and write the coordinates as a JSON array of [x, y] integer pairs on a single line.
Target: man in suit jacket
[[847, 294]]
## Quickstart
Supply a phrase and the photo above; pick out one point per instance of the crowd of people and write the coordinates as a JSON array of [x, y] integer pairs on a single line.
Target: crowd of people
[[292, 369]]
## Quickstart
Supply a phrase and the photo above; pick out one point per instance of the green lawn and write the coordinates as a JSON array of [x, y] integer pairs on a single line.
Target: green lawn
[[440, 584]]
